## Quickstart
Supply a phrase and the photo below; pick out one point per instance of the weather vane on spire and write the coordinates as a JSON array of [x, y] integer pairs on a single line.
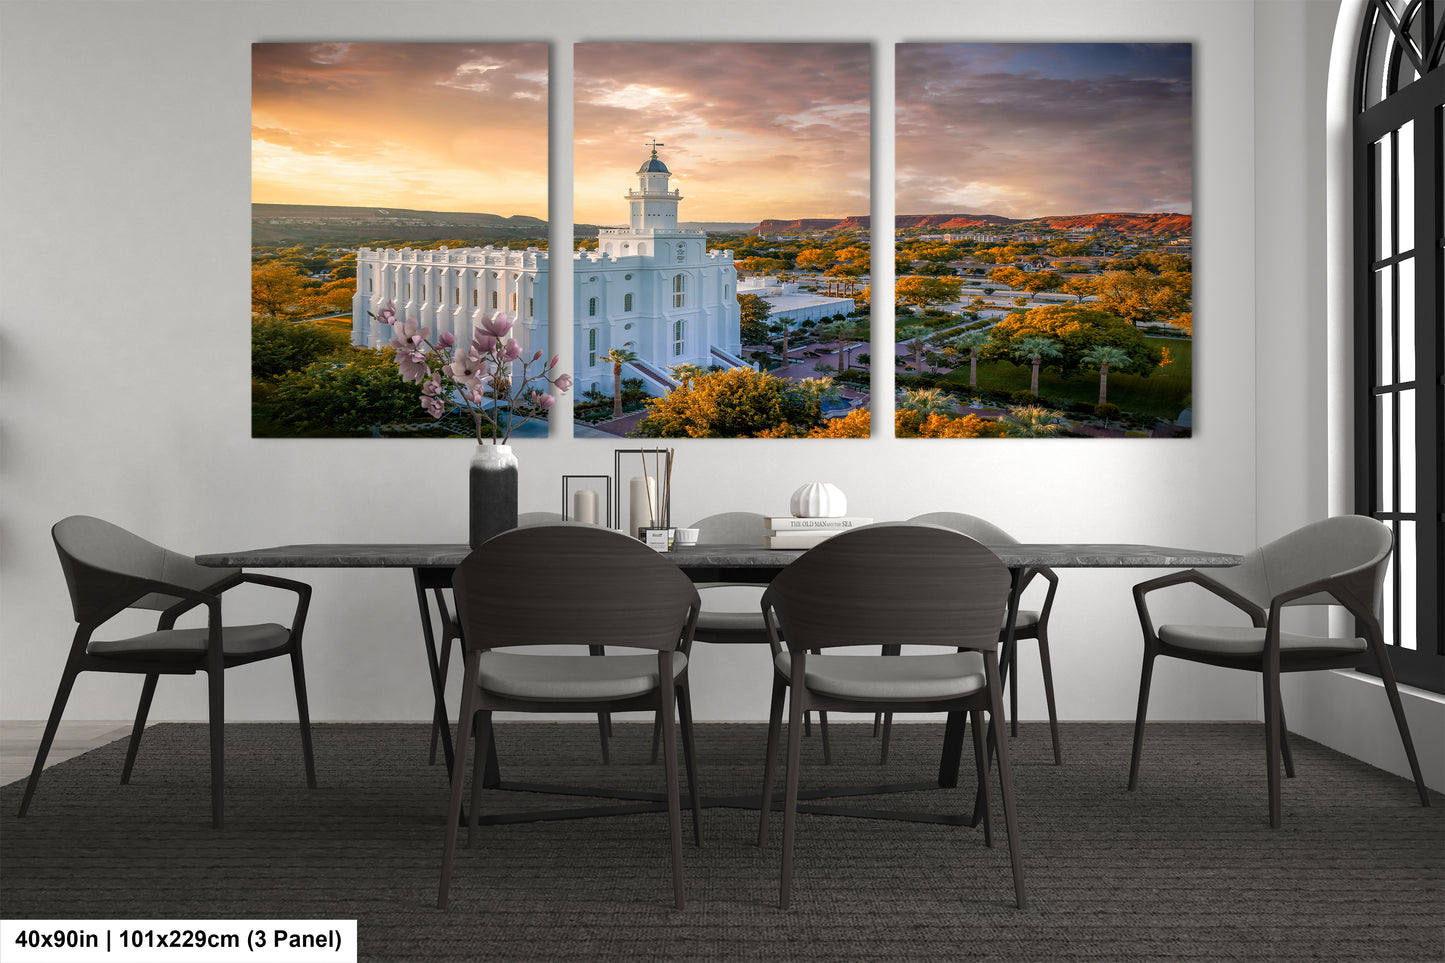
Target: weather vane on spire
[[655, 144]]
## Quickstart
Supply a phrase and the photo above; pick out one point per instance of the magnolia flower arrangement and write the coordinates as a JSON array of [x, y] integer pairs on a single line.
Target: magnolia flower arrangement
[[477, 378]]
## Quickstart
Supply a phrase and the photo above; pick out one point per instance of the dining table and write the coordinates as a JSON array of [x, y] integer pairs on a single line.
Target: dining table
[[432, 565]]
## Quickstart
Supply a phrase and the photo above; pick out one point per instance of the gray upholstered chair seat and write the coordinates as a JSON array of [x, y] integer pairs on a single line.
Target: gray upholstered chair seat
[[576, 677], [1028, 619], [731, 621], [184, 645], [1247, 640], [920, 677]]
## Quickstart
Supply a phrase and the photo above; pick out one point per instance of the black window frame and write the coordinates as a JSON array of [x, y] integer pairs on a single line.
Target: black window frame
[[1400, 82]]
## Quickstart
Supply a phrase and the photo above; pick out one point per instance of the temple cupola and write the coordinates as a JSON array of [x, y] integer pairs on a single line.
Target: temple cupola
[[654, 207]]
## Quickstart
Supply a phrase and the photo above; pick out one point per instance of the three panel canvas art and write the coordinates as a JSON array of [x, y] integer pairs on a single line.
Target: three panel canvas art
[[725, 280]]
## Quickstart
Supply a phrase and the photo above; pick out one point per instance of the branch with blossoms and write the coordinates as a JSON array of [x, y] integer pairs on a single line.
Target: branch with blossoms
[[478, 378]]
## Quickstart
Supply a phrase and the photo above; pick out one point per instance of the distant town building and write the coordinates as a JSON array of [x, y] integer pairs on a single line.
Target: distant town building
[[790, 302], [652, 288]]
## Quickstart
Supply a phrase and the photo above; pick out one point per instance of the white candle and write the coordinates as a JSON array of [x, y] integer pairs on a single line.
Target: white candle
[[584, 506], [643, 503]]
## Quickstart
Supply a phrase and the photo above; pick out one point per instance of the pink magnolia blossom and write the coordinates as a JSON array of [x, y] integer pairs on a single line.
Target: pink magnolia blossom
[[464, 367], [498, 325], [535, 355], [483, 343], [447, 339], [413, 365], [511, 351], [434, 406], [563, 382], [553, 363], [542, 399], [387, 315]]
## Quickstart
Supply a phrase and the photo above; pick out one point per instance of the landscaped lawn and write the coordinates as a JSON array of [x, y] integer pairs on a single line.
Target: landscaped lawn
[[1162, 395]]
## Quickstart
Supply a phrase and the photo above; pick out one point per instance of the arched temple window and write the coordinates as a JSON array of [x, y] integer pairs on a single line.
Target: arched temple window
[[1399, 415], [627, 302], [679, 290]]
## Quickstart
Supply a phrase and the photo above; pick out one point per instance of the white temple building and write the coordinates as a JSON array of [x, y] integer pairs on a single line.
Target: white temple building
[[651, 287]]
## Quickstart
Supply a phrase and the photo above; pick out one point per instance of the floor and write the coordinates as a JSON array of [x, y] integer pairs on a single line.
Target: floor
[[20, 740]]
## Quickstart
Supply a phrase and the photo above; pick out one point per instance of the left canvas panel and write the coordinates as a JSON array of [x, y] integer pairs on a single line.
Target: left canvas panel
[[405, 183]]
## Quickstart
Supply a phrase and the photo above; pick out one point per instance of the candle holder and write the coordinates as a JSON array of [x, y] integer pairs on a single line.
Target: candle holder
[[599, 485], [653, 463]]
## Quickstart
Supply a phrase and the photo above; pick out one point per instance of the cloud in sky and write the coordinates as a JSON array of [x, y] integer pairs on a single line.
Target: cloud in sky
[[430, 126], [1033, 129], [752, 130]]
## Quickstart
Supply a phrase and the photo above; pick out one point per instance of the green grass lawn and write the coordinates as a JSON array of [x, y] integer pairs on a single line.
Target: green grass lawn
[[1162, 395]]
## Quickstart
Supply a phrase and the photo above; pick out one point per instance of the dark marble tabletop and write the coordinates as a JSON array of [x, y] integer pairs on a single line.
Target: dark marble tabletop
[[443, 555]]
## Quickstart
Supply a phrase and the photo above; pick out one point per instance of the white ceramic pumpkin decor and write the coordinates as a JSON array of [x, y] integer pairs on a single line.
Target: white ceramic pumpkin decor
[[819, 500]]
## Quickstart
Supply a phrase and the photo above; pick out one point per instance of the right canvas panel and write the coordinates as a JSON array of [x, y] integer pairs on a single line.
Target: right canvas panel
[[1044, 200]]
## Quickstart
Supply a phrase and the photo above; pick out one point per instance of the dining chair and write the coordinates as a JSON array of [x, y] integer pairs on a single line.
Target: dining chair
[[1028, 624], [109, 570], [883, 585], [733, 625], [573, 586], [451, 636], [1340, 560]]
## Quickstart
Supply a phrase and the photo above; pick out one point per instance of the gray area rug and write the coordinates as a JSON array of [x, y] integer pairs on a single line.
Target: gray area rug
[[1186, 868]]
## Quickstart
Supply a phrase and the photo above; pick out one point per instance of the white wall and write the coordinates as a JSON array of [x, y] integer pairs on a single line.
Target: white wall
[[124, 178]]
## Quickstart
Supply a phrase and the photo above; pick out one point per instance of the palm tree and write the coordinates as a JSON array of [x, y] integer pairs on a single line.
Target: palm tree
[[841, 332], [618, 357], [972, 342], [1036, 350], [927, 401], [683, 373], [1032, 421], [1103, 356], [915, 339], [822, 390]]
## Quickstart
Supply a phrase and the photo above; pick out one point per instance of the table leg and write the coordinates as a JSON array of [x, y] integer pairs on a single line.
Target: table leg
[[419, 576]]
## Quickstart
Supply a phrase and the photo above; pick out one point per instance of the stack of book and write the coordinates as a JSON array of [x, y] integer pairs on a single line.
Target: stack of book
[[790, 532]]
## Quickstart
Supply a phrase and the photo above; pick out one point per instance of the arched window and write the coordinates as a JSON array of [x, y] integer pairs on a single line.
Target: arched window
[[474, 298], [627, 302], [679, 331], [679, 290], [592, 308], [592, 348], [1399, 178], [494, 300], [513, 308]]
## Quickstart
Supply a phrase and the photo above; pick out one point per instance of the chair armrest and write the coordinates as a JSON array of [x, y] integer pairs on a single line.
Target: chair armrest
[[1048, 575], [1196, 577]]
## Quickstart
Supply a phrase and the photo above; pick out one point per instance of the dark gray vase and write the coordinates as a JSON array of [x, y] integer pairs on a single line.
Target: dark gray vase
[[492, 493]]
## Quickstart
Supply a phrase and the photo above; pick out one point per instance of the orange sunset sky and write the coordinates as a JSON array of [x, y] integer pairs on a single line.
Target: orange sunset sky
[[751, 130], [426, 126]]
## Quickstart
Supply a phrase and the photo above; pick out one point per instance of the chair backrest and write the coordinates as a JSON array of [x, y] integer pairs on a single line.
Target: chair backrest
[[102, 560], [731, 528], [1319, 550], [896, 583], [572, 584], [974, 527]]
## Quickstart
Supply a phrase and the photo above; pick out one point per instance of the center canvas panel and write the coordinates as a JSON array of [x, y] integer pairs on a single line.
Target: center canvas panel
[[720, 271]]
